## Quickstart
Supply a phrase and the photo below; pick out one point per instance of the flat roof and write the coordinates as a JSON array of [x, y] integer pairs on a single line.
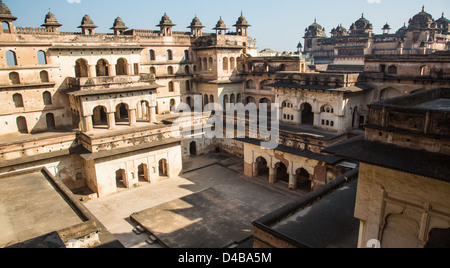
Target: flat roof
[[31, 205], [207, 219], [321, 219], [420, 162], [328, 223]]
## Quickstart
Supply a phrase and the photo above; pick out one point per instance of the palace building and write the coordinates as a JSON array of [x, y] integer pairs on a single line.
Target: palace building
[[95, 111]]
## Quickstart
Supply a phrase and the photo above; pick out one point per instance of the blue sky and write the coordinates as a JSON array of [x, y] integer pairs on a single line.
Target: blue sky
[[276, 24]]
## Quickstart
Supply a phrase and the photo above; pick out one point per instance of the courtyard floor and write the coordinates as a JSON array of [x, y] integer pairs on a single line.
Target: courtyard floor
[[221, 172]]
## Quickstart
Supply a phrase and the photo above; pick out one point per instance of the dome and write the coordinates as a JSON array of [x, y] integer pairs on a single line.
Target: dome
[[339, 31], [5, 12], [196, 23], [50, 20], [221, 25], [386, 27], [443, 23], [362, 24], [87, 22], [242, 21], [165, 21], [422, 20], [402, 31], [119, 24], [315, 30]]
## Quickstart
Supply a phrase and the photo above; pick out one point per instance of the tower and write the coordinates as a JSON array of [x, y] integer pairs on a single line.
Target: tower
[[220, 27], [166, 25], [87, 25], [51, 23], [196, 27], [242, 26], [6, 19], [119, 26]]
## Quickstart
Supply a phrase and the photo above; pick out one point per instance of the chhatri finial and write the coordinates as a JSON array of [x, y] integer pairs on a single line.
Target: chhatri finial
[[423, 8]]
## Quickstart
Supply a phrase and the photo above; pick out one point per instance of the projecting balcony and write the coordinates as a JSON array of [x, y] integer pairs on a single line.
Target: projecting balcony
[[110, 82]]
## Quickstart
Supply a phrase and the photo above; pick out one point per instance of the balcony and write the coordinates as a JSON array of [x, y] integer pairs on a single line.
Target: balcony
[[110, 82]]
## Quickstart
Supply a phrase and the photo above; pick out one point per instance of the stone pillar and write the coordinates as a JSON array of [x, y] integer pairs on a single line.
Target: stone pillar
[[132, 117], [292, 181], [92, 71], [152, 114], [298, 116], [272, 175], [87, 123], [112, 70], [111, 121]]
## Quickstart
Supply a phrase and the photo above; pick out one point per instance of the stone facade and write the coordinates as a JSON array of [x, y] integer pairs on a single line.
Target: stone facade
[[422, 35]]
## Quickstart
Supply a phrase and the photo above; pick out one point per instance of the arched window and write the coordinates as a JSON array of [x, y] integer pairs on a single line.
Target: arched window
[[186, 55], [210, 64], [50, 120], [22, 124], [47, 97], [122, 67], [424, 71], [81, 68], [200, 66], [205, 65], [188, 85], [187, 69], [153, 70], [14, 78], [18, 101], [42, 58], [102, 68], [5, 26], [170, 70], [11, 59], [250, 84], [169, 55], [392, 69], [43, 75], [151, 55], [171, 87], [225, 64], [232, 63]]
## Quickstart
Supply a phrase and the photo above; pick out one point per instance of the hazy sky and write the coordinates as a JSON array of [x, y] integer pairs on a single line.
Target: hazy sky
[[276, 24]]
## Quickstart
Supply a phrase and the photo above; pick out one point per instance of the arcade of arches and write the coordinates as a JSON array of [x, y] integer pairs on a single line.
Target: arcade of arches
[[274, 166]]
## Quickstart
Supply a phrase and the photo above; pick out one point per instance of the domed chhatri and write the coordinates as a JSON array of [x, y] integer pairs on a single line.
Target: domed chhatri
[[242, 25], [119, 26], [315, 30], [5, 12], [166, 25], [339, 31], [221, 27], [51, 22], [87, 25], [196, 27], [165, 21]]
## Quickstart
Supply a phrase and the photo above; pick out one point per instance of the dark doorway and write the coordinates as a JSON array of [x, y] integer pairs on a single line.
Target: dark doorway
[[143, 173], [120, 178], [439, 238], [163, 168], [307, 115], [22, 125], [193, 148], [50, 120], [303, 180], [261, 167], [282, 174]]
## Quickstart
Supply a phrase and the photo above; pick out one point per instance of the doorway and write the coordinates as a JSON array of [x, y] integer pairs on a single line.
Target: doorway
[[163, 168], [193, 149]]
